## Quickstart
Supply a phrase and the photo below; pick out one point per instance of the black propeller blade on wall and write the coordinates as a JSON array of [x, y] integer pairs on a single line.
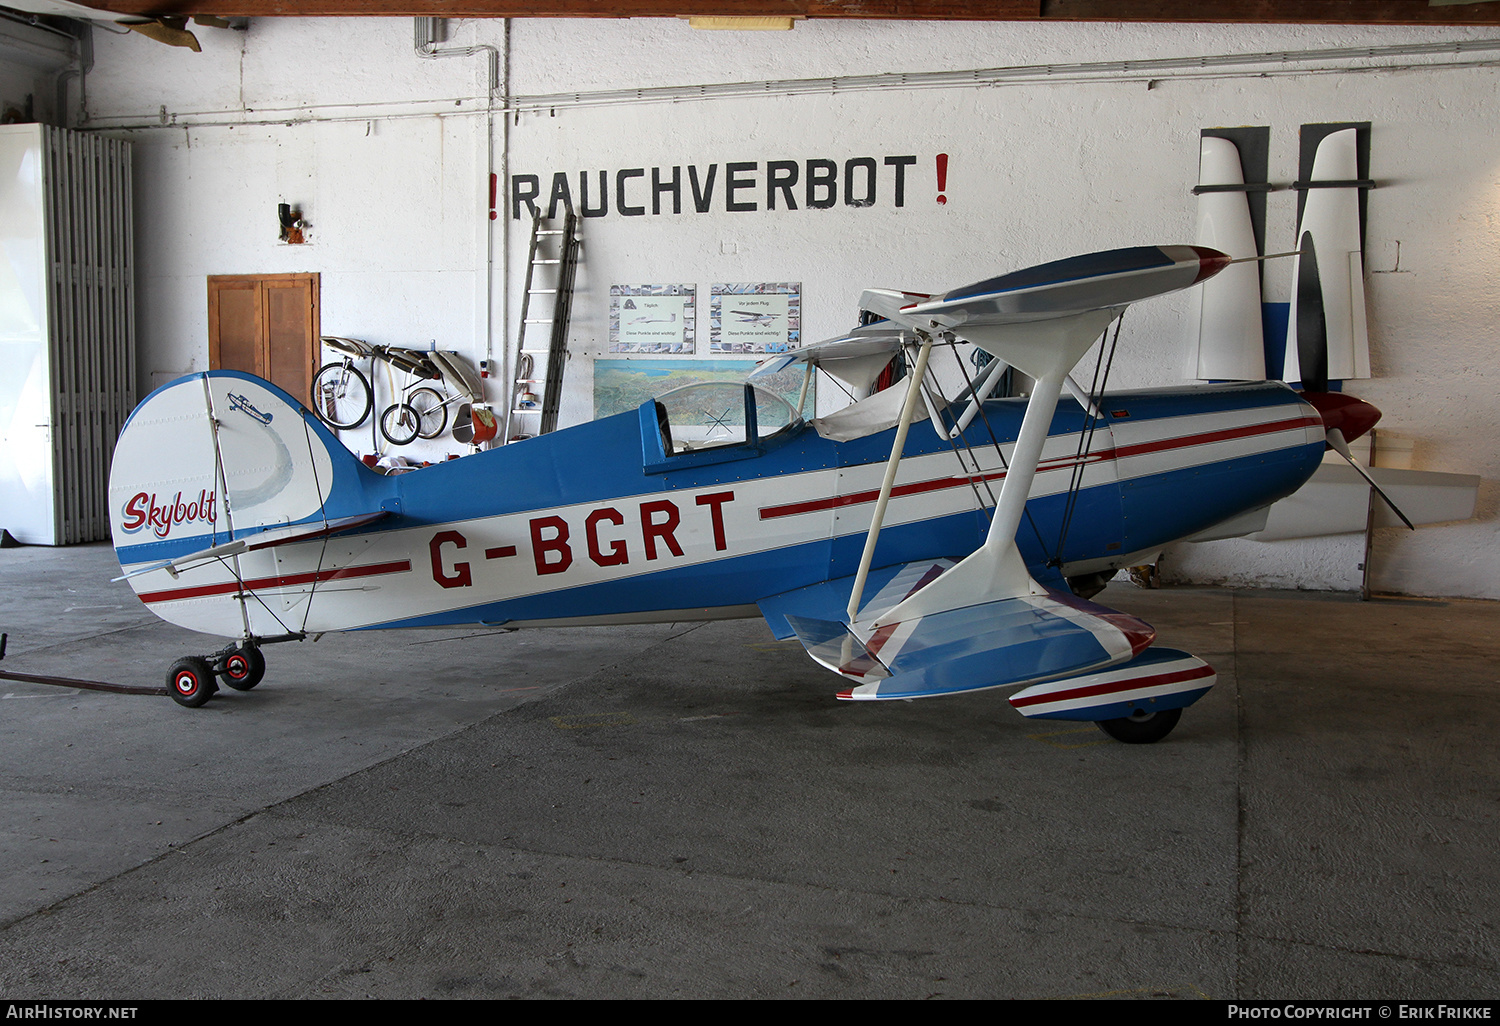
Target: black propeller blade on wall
[[1337, 444], [1340, 413], [1312, 326]]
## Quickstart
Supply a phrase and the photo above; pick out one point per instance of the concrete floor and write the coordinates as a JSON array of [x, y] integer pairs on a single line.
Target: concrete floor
[[686, 811]]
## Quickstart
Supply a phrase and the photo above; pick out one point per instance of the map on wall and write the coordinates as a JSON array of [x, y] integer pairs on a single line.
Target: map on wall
[[653, 318], [623, 385], [755, 317]]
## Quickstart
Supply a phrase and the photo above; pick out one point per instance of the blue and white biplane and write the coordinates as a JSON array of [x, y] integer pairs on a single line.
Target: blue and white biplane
[[875, 535]]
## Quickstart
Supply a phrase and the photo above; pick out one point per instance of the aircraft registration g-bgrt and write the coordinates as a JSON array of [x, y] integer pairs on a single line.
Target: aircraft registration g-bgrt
[[872, 535]]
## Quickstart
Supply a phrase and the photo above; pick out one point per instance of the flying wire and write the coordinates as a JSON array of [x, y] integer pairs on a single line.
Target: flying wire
[[1004, 463], [307, 434], [244, 591], [1102, 367], [976, 476]]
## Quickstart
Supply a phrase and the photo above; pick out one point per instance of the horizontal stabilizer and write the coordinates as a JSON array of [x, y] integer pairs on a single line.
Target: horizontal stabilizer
[[1155, 681], [262, 540]]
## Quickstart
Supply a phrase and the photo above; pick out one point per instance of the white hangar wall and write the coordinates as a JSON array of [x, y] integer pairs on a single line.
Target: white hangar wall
[[387, 153]]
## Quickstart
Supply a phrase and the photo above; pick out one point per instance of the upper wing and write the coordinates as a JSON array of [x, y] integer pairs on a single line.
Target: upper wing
[[941, 628]]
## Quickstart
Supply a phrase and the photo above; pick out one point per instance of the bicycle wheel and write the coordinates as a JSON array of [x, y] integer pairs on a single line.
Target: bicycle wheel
[[341, 396], [432, 415], [399, 424]]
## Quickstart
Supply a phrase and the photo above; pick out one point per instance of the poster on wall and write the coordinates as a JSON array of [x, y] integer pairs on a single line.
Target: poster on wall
[[755, 317], [653, 318], [623, 385]]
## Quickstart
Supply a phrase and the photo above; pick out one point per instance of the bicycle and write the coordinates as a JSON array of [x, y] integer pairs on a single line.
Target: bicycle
[[343, 398], [430, 405], [341, 395]]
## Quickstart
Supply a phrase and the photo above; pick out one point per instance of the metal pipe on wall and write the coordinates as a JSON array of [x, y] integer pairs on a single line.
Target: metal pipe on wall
[[427, 33]]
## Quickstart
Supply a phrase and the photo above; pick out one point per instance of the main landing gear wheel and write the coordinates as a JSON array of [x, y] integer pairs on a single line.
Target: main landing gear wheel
[[191, 681], [244, 668], [1141, 727]]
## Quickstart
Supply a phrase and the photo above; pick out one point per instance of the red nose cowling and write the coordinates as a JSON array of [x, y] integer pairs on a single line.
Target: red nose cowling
[[1353, 417]]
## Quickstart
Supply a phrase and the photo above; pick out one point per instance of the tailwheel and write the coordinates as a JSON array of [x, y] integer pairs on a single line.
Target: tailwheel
[[190, 681], [244, 667], [1142, 727]]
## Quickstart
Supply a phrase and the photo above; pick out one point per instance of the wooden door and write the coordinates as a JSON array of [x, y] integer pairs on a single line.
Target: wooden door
[[266, 325]]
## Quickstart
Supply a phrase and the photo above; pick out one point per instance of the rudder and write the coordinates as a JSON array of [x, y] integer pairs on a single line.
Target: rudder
[[218, 457]]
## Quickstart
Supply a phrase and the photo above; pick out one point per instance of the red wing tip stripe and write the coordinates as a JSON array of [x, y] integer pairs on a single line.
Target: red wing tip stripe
[[1115, 686], [290, 581], [792, 509]]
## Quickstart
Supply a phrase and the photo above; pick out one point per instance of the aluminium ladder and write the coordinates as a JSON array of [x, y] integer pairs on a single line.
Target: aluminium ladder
[[557, 249]]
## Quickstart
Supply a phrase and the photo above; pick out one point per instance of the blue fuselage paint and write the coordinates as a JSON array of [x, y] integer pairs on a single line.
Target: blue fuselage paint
[[600, 462], [1161, 465]]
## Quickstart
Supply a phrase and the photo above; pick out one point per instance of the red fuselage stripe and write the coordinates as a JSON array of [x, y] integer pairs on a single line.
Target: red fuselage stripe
[[400, 566], [792, 509], [1209, 437]]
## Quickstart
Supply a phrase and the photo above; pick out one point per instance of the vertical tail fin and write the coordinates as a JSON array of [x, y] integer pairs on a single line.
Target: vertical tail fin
[[217, 458]]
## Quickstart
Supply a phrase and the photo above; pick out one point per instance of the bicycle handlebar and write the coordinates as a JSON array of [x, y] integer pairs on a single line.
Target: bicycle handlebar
[[409, 360], [347, 345]]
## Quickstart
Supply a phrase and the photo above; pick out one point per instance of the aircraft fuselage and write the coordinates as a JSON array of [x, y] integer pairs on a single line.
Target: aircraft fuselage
[[599, 523]]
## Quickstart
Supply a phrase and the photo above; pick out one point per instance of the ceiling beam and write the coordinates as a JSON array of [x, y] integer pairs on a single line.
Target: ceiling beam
[[1322, 12], [1293, 12], [913, 10]]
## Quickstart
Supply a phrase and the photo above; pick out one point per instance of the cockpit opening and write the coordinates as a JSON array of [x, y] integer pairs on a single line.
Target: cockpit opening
[[716, 414]]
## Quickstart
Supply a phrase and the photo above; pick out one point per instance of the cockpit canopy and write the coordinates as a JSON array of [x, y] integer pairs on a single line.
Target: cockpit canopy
[[730, 419], [715, 413]]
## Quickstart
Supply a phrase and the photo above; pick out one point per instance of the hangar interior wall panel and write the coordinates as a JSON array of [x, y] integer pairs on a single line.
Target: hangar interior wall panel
[[67, 329]]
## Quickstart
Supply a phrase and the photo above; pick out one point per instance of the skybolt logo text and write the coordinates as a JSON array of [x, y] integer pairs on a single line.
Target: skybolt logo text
[[142, 511]]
